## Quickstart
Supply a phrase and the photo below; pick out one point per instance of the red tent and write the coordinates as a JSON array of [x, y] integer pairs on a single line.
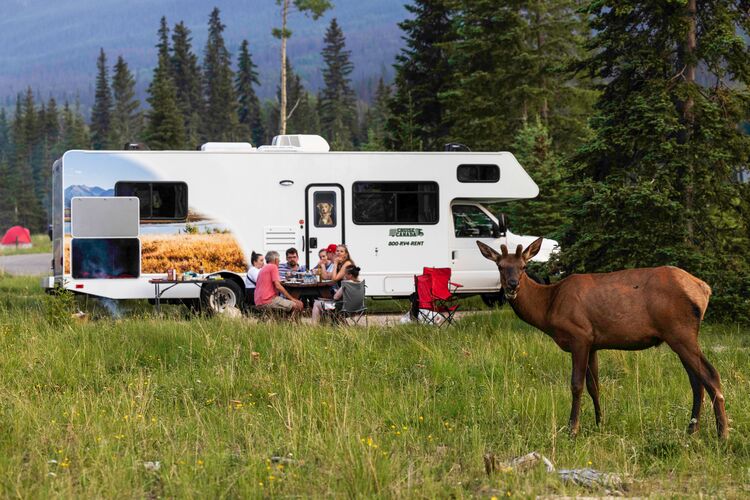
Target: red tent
[[16, 236]]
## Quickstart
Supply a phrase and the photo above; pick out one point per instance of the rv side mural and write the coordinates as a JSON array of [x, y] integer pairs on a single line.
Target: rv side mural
[[199, 243]]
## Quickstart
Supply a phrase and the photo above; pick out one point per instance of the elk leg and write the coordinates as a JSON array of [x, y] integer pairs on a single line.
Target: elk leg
[[709, 377], [717, 397], [697, 387], [592, 384], [580, 362]]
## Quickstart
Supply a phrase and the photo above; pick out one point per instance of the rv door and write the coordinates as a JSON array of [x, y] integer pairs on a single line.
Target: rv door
[[325, 219], [472, 222]]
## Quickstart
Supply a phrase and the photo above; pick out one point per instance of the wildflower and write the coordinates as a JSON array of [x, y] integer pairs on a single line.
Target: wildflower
[[589, 462], [421, 418]]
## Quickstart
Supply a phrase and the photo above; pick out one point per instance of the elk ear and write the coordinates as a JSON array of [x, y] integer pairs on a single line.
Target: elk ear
[[532, 249], [488, 252]]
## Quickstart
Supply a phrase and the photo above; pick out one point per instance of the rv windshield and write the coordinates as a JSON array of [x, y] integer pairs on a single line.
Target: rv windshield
[[470, 221]]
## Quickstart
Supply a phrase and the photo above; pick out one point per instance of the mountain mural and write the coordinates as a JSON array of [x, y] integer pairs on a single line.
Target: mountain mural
[[52, 45], [81, 190]]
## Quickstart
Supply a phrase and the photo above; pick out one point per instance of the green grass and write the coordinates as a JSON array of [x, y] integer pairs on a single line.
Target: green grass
[[405, 411], [40, 244]]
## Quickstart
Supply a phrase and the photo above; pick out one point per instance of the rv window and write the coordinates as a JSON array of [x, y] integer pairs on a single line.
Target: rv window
[[470, 221], [478, 173], [325, 208], [159, 200], [395, 202], [105, 258]]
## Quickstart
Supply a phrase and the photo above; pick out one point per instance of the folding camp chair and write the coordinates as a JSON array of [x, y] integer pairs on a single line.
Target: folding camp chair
[[435, 296], [351, 309]]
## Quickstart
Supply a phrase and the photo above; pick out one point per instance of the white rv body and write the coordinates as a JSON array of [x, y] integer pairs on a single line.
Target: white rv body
[[266, 198]]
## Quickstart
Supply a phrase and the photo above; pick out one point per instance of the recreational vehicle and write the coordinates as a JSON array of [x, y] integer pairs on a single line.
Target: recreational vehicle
[[122, 218]]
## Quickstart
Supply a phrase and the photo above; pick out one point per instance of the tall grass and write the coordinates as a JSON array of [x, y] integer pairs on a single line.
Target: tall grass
[[230, 408]]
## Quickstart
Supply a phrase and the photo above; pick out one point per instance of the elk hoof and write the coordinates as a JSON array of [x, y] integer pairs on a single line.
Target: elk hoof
[[693, 426], [573, 430]]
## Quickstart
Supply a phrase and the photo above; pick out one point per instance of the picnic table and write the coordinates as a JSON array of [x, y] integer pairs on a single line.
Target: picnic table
[[309, 291], [168, 284]]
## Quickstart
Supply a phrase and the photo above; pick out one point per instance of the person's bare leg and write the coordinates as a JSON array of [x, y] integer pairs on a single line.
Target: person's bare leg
[[317, 310]]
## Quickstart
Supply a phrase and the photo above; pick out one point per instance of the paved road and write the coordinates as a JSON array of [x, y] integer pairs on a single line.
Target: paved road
[[33, 264]]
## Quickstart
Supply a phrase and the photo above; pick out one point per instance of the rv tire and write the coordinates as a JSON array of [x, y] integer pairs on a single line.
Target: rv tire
[[215, 297], [496, 299]]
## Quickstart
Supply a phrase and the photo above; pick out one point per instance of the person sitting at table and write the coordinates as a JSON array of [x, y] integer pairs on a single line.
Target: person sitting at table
[[341, 262], [324, 267], [320, 305], [292, 264], [269, 292], [251, 277]]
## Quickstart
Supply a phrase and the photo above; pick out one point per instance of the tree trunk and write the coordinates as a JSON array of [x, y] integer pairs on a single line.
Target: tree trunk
[[688, 112], [282, 104]]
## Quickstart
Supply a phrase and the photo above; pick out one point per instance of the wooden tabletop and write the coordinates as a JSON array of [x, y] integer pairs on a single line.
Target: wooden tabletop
[[192, 280], [317, 284]]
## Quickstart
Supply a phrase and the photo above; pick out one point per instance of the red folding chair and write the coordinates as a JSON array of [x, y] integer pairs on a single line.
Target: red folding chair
[[435, 296]]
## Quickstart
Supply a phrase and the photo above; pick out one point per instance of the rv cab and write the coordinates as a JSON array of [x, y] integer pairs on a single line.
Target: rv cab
[[473, 222]]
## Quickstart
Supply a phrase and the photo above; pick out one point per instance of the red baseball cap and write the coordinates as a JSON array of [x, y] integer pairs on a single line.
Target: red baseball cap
[[331, 248]]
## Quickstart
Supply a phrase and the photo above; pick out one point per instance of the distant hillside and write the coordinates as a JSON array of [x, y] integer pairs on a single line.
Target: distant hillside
[[81, 190], [52, 45]]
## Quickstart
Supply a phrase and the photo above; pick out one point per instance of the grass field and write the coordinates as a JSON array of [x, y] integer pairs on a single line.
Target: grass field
[[87, 409], [40, 244]]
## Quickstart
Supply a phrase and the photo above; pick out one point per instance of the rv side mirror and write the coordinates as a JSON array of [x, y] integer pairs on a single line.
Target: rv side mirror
[[502, 226]]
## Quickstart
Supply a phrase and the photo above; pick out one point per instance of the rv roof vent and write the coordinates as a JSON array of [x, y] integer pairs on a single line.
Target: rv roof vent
[[227, 146], [298, 142]]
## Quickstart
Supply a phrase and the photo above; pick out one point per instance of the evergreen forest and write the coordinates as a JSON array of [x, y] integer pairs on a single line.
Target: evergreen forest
[[631, 116]]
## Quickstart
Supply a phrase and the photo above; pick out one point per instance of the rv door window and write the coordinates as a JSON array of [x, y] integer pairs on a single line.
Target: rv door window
[[158, 200], [325, 208], [478, 173], [470, 221], [395, 203]]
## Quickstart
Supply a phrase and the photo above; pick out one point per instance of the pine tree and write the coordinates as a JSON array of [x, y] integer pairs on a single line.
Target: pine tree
[[302, 116], [7, 194], [4, 134], [337, 111], [509, 64], [545, 214], [75, 133], [27, 208], [654, 185], [162, 46], [187, 79], [164, 129], [127, 121], [220, 119], [314, 8], [423, 72], [101, 113], [249, 114], [377, 119]]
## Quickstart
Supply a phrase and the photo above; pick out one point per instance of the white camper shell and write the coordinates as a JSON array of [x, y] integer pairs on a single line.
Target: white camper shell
[[121, 218]]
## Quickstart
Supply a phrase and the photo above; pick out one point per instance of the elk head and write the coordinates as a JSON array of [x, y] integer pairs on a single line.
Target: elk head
[[511, 266]]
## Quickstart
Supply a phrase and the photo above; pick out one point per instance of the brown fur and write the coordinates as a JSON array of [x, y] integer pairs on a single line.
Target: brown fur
[[325, 210], [627, 310]]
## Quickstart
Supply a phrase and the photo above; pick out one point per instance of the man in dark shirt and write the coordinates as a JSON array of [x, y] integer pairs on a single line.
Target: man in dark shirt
[[292, 264]]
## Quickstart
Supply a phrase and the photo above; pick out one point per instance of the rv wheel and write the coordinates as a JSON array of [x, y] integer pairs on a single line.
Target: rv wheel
[[493, 299], [216, 297]]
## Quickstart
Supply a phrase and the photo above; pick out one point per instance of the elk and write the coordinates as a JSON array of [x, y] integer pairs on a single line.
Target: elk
[[630, 310]]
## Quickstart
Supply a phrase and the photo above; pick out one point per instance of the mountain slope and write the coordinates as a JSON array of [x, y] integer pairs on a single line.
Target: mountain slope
[[52, 45]]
